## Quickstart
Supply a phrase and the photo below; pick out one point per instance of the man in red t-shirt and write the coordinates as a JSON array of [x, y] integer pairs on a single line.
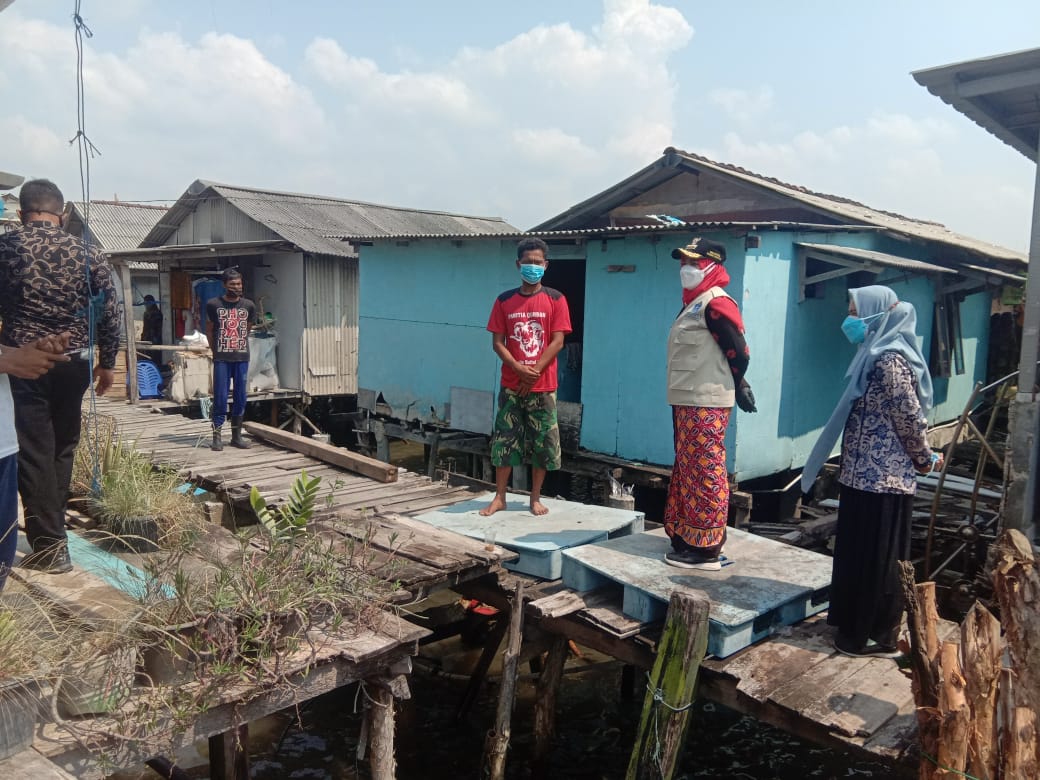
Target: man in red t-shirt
[[528, 324]]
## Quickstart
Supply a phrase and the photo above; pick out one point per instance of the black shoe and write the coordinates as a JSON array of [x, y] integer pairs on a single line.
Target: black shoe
[[53, 560], [218, 444], [870, 650], [691, 559]]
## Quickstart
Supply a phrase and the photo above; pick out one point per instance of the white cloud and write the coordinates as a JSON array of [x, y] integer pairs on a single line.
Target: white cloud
[[741, 105], [522, 128], [893, 162]]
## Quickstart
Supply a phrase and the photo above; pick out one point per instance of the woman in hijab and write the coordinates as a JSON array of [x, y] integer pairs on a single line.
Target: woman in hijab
[[882, 418], [707, 359]]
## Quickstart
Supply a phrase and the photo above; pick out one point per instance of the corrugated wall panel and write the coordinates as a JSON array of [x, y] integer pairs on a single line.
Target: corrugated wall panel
[[330, 338]]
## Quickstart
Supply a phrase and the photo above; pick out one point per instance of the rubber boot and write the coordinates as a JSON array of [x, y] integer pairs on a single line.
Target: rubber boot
[[218, 443], [236, 434]]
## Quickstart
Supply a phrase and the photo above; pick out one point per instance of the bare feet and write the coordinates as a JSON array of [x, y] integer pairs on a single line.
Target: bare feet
[[496, 504], [538, 508]]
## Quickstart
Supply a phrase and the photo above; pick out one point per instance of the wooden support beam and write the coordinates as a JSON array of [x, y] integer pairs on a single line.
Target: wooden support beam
[[380, 717], [132, 393], [1016, 581], [545, 706], [433, 450], [337, 456], [671, 691], [498, 740], [982, 651], [494, 641], [228, 754]]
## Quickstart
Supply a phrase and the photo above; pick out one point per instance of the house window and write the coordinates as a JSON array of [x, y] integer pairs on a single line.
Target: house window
[[947, 352]]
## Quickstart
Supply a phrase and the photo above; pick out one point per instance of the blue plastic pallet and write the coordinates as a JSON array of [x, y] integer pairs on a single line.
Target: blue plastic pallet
[[765, 584], [540, 541]]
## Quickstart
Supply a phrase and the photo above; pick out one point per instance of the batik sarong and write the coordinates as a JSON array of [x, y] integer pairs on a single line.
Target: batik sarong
[[698, 494]]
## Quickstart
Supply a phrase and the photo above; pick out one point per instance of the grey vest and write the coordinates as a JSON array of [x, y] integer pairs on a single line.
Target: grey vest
[[698, 374]]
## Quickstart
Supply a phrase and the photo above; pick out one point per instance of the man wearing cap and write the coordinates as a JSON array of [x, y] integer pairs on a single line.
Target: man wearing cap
[[707, 360], [52, 283]]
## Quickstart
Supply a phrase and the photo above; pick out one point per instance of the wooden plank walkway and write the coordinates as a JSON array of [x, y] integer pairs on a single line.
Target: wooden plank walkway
[[793, 680], [355, 510], [324, 663]]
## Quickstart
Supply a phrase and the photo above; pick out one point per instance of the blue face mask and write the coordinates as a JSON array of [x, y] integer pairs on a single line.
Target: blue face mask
[[531, 273], [855, 328]]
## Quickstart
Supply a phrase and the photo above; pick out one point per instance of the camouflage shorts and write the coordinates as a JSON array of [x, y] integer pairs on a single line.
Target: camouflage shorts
[[526, 431]]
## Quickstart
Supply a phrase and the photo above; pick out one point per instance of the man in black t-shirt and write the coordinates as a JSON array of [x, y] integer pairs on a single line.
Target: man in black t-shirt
[[228, 319]]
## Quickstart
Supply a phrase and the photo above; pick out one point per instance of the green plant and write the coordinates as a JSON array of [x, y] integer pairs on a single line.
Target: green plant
[[289, 521], [137, 499]]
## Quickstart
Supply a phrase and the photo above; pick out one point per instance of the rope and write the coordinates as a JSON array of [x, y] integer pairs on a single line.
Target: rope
[[658, 697], [948, 769]]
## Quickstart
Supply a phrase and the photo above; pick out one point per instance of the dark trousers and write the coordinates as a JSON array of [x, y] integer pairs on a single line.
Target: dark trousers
[[224, 374], [873, 535], [47, 415], [8, 514]]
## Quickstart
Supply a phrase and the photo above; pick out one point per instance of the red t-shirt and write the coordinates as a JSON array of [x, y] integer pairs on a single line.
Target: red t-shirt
[[528, 322]]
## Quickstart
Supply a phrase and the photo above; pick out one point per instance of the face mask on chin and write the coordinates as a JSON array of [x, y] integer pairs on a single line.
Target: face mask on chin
[[531, 273], [691, 275]]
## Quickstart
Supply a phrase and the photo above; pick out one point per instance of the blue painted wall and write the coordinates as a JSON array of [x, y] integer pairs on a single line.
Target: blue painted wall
[[424, 310], [423, 317]]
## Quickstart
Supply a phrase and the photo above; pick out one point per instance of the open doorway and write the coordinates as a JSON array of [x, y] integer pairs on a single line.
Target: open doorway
[[567, 274]]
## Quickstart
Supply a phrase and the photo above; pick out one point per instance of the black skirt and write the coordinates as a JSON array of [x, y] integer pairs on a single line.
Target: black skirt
[[873, 535]]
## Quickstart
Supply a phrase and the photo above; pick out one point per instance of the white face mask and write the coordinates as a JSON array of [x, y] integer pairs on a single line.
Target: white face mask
[[691, 275]]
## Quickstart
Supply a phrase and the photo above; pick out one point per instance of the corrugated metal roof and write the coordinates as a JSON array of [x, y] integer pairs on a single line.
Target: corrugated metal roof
[[1001, 94], [676, 227], [116, 225], [319, 224], [676, 162], [881, 258]]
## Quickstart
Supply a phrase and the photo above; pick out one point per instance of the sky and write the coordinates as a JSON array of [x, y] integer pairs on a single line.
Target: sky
[[517, 110]]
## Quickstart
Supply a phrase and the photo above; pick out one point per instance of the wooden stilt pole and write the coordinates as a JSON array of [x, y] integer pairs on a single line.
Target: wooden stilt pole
[[229, 755], [673, 685], [381, 733], [982, 649], [433, 452], [545, 706], [382, 441], [954, 728], [381, 695], [498, 740], [476, 679], [1016, 581], [1019, 742], [921, 618]]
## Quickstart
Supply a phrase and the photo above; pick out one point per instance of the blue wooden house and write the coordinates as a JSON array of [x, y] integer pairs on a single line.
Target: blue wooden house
[[424, 353]]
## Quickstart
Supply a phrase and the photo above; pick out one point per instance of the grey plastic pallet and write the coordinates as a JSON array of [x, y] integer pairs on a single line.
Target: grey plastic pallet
[[765, 584], [539, 540]]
